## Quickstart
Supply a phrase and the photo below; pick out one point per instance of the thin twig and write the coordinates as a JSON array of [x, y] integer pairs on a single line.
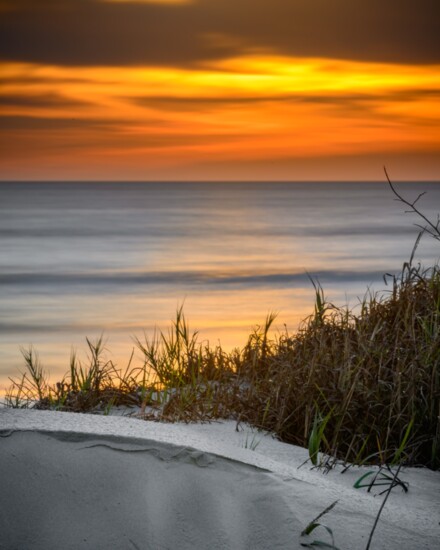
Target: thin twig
[[382, 507], [435, 230]]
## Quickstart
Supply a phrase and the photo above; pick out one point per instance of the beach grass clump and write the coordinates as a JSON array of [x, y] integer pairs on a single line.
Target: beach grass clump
[[177, 359], [366, 382], [94, 385]]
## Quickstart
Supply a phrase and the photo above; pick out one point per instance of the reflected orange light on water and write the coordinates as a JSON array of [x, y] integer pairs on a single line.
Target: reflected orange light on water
[[121, 319]]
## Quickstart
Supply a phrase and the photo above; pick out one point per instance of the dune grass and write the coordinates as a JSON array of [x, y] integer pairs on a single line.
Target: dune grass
[[370, 380], [360, 386]]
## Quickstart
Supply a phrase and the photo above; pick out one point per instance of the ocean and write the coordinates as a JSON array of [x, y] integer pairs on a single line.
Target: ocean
[[83, 259]]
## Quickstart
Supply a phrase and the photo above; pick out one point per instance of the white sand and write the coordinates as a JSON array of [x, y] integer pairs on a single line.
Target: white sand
[[70, 481]]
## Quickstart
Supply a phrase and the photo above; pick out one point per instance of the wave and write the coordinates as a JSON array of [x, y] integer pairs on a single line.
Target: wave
[[128, 279]]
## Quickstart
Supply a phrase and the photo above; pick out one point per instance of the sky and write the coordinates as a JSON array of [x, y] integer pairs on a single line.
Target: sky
[[219, 89]]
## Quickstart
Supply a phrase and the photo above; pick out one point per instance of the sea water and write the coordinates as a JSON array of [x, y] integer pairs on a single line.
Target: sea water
[[118, 259]]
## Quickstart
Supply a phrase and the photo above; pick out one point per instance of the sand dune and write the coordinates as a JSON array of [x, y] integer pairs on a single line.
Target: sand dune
[[82, 481]]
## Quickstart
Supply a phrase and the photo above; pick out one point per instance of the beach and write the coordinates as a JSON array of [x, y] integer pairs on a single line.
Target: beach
[[89, 481]]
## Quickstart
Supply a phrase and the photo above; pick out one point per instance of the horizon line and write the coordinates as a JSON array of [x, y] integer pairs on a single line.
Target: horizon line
[[216, 181]]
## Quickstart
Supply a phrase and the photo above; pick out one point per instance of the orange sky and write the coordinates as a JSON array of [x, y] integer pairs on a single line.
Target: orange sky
[[246, 112]]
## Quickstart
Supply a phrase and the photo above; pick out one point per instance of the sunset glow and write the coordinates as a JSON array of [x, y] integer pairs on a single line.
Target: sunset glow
[[228, 111], [149, 119]]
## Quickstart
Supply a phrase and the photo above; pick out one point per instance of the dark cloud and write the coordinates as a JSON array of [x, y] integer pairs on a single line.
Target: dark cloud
[[31, 79], [104, 131], [334, 98], [349, 103], [39, 100], [197, 104], [19, 122], [92, 32], [198, 100]]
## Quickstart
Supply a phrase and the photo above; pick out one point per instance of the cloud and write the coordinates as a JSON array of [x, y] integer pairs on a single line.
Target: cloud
[[349, 104], [319, 98], [19, 122], [92, 32], [163, 2], [38, 100]]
